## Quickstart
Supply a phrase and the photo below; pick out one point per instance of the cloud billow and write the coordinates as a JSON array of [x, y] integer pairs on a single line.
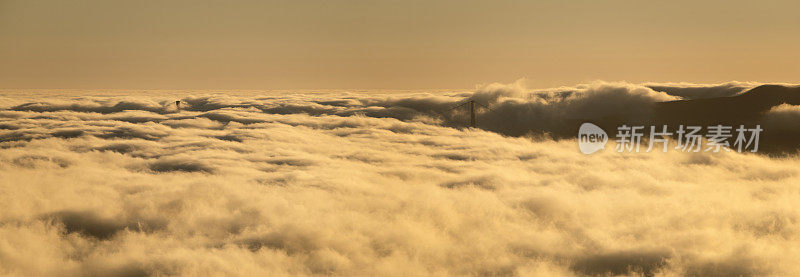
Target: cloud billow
[[377, 184]]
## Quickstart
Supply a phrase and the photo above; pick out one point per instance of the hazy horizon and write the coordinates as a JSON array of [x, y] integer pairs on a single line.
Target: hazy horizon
[[93, 44]]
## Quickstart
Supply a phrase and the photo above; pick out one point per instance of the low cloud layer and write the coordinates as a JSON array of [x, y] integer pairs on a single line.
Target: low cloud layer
[[508, 109], [375, 184]]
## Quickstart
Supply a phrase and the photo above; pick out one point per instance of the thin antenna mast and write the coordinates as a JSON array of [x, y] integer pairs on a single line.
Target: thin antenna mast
[[472, 113], [473, 122]]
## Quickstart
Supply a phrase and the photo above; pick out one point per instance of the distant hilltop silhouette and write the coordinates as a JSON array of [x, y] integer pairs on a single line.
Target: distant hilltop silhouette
[[749, 108]]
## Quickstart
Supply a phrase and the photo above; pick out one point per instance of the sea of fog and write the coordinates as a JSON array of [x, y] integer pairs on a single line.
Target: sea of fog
[[375, 183]]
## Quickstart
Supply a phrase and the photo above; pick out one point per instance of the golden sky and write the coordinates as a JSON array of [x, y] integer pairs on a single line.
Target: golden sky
[[391, 44]]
